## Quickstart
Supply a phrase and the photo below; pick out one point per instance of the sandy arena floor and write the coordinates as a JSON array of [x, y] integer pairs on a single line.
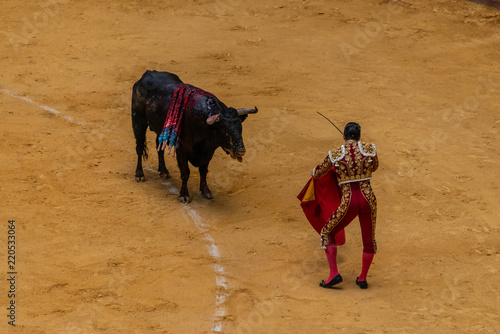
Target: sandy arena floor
[[97, 252]]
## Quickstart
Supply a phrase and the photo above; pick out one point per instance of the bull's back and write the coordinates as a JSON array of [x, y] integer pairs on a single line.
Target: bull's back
[[155, 79], [150, 84]]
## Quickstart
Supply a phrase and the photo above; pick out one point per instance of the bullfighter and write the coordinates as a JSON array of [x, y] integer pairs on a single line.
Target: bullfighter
[[354, 162]]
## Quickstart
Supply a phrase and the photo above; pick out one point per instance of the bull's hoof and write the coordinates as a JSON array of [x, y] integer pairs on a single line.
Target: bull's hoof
[[205, 192], [207, 195], [140, 178], [165, 175], [184, 199]]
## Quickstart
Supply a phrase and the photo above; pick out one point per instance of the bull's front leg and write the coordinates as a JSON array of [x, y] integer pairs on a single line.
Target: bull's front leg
[[205, 192], [182, 162]]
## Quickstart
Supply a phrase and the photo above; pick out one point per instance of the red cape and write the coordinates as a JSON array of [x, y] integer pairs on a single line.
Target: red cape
[[319, 199]]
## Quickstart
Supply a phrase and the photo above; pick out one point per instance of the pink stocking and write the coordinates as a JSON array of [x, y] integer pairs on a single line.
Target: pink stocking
[[331, 256], [367, 261]]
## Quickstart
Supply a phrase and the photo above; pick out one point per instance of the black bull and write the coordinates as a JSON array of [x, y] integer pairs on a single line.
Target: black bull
[[206, 125]]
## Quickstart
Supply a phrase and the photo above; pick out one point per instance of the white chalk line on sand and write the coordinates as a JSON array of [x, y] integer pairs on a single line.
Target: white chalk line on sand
[[49, 109], [213, 250]]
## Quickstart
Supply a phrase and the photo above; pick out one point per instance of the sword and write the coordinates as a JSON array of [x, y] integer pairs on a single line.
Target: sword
[[330, 122]]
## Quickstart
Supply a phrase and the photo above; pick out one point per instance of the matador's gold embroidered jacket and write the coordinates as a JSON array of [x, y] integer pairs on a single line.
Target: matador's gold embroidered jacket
[[354, 162]]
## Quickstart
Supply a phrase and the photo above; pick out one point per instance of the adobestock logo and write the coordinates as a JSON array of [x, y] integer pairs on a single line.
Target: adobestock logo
[[366, 35], [32, 24]]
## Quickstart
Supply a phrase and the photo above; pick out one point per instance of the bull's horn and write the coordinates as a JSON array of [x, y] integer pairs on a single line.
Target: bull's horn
[[213, 119], [245, 111]]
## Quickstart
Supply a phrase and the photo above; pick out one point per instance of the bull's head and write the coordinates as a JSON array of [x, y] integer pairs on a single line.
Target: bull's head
[[230, 120]]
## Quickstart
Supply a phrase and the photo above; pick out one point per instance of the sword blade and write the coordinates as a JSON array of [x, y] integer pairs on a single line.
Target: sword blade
[[330, 122]]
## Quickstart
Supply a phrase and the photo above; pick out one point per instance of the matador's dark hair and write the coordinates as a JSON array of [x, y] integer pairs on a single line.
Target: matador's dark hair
[[352, 131]]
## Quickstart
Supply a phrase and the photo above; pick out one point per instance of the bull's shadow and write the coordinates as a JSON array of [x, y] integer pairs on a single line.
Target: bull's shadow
[[187, 119]]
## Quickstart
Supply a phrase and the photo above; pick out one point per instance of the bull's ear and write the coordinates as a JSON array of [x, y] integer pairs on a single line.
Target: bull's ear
[[243, 117], [213, 119]]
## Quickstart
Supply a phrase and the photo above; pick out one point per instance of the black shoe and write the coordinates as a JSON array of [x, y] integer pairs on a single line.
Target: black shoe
[[336, 280], [362, 284]]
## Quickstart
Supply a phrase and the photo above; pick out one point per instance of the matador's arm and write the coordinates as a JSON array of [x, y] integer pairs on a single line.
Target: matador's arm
[[321, 170], [375, 163], [369, 150]]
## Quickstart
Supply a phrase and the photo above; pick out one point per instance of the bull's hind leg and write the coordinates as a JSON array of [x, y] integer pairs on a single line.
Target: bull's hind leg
[[182, 161], [205, 192], [140, 127], [162, 169]]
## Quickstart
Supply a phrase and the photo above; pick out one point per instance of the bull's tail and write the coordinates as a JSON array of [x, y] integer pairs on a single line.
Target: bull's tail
[[141, 147], [140, 126], [145, 151]]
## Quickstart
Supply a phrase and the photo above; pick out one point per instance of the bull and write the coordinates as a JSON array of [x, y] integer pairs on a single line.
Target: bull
[[206, 125]]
